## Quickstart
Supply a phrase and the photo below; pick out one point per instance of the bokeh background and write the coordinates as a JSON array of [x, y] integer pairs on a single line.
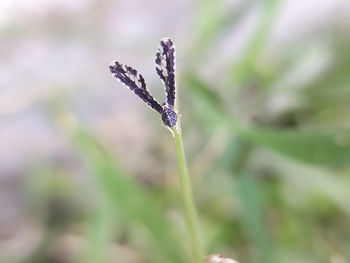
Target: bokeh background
[[88, 173]]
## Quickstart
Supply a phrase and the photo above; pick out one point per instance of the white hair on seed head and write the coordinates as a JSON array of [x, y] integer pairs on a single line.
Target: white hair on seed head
[[165, 39]]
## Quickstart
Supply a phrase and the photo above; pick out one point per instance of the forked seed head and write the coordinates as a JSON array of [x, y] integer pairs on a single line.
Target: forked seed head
[[165, 67]]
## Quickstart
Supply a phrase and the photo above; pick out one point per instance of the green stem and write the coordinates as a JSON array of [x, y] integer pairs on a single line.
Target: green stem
[[187, 198]]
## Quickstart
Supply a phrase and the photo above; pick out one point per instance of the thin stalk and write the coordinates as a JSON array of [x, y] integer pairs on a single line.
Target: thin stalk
[[187, 198]]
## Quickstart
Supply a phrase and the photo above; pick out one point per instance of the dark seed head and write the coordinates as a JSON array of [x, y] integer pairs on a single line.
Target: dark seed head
[[169, 117]]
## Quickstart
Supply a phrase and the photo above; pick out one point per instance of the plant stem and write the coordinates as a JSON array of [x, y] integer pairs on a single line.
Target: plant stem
[[187, 198]]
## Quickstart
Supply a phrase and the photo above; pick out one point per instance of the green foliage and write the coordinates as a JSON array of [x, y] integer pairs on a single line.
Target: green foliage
[[254, 205], [123, 199], [314, 147]]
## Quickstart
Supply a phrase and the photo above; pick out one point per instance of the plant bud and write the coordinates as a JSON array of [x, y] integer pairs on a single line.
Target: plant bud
[[214, 258]]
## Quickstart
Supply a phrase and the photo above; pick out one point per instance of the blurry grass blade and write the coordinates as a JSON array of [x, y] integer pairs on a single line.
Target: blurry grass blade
[[99, 236], [212, 20], [200, 88], [309, 146], [253, 221], [233, 157], [316, 182], [132, 203], [208, 21], [243, 67], [207, 100]]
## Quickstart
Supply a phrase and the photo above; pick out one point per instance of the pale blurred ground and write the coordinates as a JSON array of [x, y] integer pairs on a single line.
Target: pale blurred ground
[[61, 49]]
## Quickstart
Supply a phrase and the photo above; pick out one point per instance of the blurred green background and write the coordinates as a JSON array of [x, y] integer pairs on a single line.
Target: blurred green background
[[88, 173]]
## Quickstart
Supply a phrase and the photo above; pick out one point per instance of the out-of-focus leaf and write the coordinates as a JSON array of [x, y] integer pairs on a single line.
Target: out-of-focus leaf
[[309, 146], [200, 88], [212, 22], [132, 204], [239, 70], [100, 232], [207, 24], [206, 99], [314, 147], [251, 197]]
